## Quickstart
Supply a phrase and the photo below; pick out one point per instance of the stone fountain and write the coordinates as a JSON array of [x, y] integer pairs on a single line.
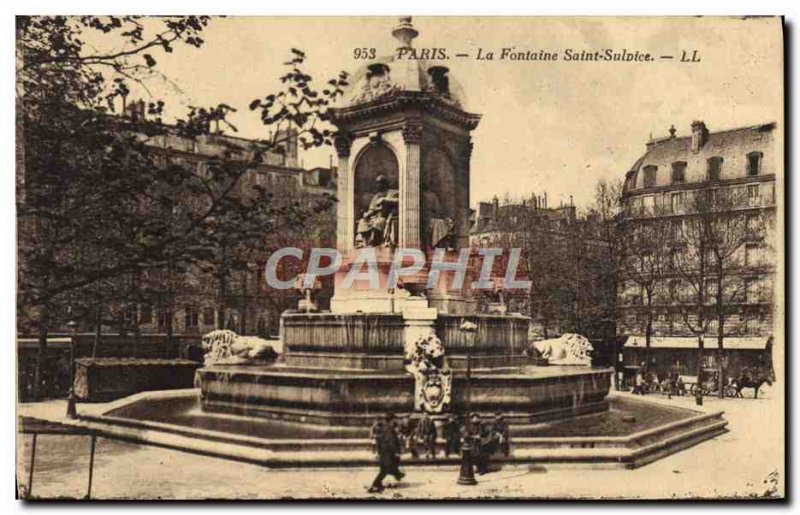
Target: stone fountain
[[404, 146]]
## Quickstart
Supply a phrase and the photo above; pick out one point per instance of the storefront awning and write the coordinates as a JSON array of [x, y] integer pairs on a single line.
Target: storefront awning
[[690, 342]]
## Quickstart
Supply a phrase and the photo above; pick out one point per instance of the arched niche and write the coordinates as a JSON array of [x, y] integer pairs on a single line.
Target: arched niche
[[374, 160], [438, 195]]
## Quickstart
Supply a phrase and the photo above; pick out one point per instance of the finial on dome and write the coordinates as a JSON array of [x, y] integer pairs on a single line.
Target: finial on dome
[[405, 32]]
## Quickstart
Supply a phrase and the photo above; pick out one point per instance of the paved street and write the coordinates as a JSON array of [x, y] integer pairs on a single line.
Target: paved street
[[738, 463]]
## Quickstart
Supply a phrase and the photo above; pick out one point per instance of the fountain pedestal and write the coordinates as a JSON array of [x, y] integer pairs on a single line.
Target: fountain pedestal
[[347, 369], [404, 145]]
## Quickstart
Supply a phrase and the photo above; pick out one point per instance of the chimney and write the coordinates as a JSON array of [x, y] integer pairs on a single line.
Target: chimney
[[496, 204], [545, 200], [699, 135]]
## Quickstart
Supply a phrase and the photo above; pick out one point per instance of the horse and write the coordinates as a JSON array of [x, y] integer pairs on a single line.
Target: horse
[[752, 378]]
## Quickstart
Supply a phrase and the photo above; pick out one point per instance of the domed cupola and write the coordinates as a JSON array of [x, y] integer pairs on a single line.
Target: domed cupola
[[404, 142], [401, 72]]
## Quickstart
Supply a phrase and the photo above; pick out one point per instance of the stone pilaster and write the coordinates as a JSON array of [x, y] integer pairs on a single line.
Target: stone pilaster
[[344, 209], [409, 194]]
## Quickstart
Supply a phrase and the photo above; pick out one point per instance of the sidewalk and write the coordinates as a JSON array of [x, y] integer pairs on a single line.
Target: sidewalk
[[747, 461]]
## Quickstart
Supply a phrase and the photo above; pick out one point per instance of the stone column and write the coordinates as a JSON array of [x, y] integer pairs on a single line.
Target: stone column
[[344, 209], [409, 188]]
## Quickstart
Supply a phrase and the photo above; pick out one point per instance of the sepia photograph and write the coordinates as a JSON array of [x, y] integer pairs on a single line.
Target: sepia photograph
[[392, 258]]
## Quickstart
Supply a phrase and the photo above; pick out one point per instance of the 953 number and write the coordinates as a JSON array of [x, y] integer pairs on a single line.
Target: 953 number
[[364, 53]]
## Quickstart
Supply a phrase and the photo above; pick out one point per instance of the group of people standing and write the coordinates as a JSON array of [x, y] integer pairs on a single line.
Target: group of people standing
[[393, 437]]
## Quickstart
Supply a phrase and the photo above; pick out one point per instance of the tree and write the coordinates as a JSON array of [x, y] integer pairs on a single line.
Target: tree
[[647, 257], [96, 201], [610, 223], [712, 238]]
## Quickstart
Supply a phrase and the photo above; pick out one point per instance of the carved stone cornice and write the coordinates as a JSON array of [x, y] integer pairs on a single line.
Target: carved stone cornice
[[342, 143], [413, 131], [399, 101]]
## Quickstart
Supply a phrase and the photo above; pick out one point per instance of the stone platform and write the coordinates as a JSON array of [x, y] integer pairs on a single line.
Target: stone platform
[[356, 397]]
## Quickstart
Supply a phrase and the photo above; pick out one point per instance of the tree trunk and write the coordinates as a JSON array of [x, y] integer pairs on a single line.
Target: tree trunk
[[41, 354], [720, 352], [136, 331], [98, 328], [169, 328], [243, 304]]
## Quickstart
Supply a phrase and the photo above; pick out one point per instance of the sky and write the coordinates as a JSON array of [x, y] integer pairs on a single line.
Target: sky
[[555, 127]]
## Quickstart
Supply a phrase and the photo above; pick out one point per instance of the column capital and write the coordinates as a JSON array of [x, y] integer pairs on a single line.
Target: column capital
[[342, 143], [412, 132]]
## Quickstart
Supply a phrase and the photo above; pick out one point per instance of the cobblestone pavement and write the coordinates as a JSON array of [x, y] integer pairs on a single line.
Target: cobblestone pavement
[[746, 461]]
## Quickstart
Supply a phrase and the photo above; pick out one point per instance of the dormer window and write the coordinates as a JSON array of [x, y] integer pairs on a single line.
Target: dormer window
[[679, 172], [377, 70], [650, 176], [440, 80], [714, 168], [754, 163]]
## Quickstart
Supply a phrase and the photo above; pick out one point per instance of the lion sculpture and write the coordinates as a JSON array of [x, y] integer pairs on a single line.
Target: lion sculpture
[[567, 349], [225, 347]]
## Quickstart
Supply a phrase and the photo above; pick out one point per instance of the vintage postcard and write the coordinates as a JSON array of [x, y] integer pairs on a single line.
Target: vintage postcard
[[398, 258]]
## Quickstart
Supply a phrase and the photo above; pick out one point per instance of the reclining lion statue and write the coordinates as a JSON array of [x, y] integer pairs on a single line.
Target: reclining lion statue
[[567, 349], [225, 347]]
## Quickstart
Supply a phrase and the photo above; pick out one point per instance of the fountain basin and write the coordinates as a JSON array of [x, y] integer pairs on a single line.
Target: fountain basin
[[174, 419], [354, 397]]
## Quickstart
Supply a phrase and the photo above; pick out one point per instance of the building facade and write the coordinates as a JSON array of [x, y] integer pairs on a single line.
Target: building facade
[[708, 202], [567, 260]]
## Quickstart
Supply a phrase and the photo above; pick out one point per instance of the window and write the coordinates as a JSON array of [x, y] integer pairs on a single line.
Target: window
[[679, 172], [676, 202], [753, 197], [674, 287], [752, 255], [751, 292], [752, 224], [672, 264], [675, 321], [754, 163], [714, 168], [164, 318], [649, 203], [208, 316], [650, 176], [261, 179], [676, 232], [191, 317], [146, 314], [711, 289]]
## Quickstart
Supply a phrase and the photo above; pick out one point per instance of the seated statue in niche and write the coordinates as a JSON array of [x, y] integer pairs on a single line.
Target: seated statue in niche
[[440, 232], [378, 225]]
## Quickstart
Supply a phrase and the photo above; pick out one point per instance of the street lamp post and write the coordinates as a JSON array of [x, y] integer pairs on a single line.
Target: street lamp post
[[466, 475], [72, 411]]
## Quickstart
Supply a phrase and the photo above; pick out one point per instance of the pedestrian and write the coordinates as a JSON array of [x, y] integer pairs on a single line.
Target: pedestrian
[[406, 435], [483, 448], [639, 383], [388, 458], [501, 429], [452, 435], [375, 432], [426, 435]]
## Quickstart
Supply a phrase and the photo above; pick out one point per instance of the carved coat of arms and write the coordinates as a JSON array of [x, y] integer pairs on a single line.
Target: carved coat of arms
[[433, 379]]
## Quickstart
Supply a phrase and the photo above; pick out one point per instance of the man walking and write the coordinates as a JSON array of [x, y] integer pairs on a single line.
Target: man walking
[[452, 436], [501, 429], [426, 435], [375, 433], [388, 457]]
